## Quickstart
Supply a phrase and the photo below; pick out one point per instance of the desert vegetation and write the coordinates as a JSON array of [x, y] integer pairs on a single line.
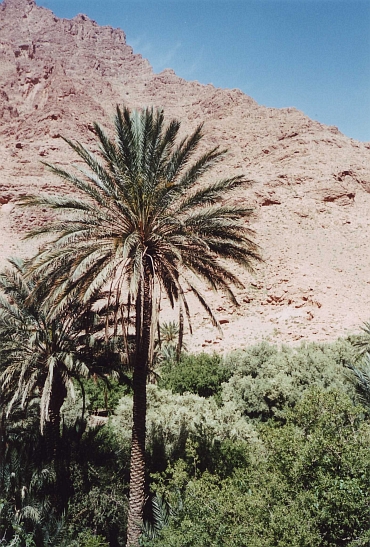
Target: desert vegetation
[[138, 224], [275, 455]]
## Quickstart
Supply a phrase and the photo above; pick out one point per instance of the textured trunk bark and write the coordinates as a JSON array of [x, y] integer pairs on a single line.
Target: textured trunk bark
[[52, 427], [59, 490], [144, 309], [2, 437]]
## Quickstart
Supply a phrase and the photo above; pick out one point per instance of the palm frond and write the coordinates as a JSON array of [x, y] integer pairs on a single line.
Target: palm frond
[[360, 377]]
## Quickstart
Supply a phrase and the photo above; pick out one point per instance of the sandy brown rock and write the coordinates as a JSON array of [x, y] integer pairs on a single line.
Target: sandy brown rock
[[310, 185]]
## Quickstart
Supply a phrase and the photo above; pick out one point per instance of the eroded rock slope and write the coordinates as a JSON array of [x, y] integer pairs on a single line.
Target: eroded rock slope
[[310, 189]]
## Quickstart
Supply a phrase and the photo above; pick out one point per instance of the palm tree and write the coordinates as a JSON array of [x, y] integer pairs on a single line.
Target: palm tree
[[25, 485], [360, 378], [38, 355], [361, 342], [141, 224]]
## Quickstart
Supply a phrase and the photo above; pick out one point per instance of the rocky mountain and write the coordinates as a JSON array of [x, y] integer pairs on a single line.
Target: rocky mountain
[[309, 185]]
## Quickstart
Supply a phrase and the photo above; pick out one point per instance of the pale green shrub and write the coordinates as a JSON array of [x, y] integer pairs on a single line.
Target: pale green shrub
[[173, 413], [266, 379]]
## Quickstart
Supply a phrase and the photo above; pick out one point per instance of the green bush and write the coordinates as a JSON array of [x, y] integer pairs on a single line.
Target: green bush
[[264, 448], [175, 422], [87, 539], [103, 394], [237, 512], [266, 379], [306, 485], [201, 374], [99, 474], [323, 450]]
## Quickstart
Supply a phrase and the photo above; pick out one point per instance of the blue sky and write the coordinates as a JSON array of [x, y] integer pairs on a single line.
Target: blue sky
[[310, 54]]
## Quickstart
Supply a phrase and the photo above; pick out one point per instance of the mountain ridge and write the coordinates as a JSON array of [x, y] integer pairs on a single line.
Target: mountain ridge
[[310, 186]]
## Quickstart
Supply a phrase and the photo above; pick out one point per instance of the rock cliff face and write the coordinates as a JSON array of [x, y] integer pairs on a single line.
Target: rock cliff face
[[310, 186]]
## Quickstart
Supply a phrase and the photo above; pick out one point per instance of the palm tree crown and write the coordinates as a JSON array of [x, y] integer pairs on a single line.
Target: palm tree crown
[[140, 223], [38, 355], [144, 211]]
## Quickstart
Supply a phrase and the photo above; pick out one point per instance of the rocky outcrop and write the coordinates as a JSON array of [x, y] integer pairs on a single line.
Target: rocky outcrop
[[309, 185]]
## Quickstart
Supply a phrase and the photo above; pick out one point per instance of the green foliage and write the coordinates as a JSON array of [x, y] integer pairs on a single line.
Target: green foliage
[[159, 518], [267, 379], [99, 474], [236, 513], [103, 394], [169, 334], [359, 376], [202, 374], [27, 487], [169, 344], [94, 471], [173, 420], [88, 539], [361, 342], [323, 450], [362, 541], [299, 477], [39, 356], [307, 484], [359, 366]]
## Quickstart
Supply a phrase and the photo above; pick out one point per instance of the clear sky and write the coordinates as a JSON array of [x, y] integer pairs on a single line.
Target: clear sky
[[310, 54]]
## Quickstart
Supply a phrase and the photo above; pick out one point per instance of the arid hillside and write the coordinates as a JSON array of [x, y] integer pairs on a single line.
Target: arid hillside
[[309, 185]]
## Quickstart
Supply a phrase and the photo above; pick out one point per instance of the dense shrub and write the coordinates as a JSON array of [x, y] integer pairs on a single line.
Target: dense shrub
[[103, 394], [324, 450], [202, 374], [99, 474], [243, 449], [307, 485], [177, 422], [266, 379], [88, 539]]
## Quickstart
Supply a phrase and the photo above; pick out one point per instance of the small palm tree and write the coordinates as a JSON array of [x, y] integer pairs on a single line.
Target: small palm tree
[[38, 355], [25, 506], [360, 378], [362, 342], [27, 483], [169, 344], [359, 374], [140, 225]]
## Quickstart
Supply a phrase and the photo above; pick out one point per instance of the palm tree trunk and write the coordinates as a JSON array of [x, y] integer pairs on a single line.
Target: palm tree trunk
[[144, 309], [52, 426], [2, 436], [59, 490]]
